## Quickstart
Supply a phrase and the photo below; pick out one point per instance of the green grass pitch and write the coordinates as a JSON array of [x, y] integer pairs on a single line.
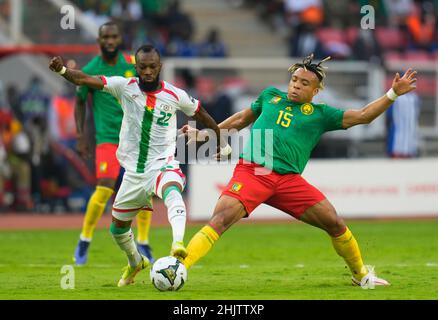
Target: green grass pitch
[[250, 261]]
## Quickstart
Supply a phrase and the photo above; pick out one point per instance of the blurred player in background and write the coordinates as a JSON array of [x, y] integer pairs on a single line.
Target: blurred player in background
[[402, 122], [146, 149], [108, 116], [296, 125]]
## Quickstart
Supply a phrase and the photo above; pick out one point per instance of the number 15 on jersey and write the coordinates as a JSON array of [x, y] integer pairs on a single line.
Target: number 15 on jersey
[[284, 119]]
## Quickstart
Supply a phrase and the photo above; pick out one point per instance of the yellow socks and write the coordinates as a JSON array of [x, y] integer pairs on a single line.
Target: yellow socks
[[144, 218], [346, 246], [200, 244], [96, 206]]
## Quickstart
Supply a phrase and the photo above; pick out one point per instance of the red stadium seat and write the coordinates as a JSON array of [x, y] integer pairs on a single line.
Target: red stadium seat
[[390, 38], [351, 35], [418, 55], [331, 35], [391, 56]]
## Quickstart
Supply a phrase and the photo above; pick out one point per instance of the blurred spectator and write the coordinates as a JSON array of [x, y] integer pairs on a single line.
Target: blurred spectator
[[15, 147], [126, 10], [212, 46], [128, 14], [180, 24], [402, 126], [305, 41], [220, 105], [398, 11], [341, 14], [179, 47], [272, 12], [421, 25], [13, 98], [34, 104], [366, 47], [96, 12], [304, 11], [62, 125]]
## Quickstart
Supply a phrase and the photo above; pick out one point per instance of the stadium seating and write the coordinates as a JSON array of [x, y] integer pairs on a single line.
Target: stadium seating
[[331, 35], [418, 55], [390, 38]]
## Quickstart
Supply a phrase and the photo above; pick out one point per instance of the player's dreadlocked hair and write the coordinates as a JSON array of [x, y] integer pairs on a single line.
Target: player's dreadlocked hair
[[316, 68]]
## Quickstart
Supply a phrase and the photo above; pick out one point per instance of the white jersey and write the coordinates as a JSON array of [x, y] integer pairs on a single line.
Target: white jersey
[[148, 131]]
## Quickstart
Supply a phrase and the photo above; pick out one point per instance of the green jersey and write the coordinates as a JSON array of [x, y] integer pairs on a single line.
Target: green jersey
[[285, 132], [107, 111]]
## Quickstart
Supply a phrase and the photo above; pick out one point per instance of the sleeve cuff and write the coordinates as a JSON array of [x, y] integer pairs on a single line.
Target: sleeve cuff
[[103, 78]]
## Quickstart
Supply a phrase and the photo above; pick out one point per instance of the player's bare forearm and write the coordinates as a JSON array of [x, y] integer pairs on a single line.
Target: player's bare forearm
[[76, 77], [368, 113], [203, 116], [81, 79], [239, 120], [400, 86], [80, 116]]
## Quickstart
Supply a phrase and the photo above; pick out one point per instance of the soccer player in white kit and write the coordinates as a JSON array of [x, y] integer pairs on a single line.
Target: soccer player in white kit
[[146, 148]]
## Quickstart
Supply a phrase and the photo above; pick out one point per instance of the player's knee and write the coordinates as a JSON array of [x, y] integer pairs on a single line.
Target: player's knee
[[336, 226]]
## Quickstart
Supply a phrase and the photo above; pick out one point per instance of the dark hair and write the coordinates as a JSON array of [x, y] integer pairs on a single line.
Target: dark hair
[[146, 49], [316, 68], [110, 24]]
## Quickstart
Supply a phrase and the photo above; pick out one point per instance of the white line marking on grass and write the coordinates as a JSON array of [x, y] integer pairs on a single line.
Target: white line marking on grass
[[431, 264], [38, 265], [103, 266], [244, 266], [299, 265]]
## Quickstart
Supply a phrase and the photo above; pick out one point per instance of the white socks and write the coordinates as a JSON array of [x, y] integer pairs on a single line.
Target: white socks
[[126, 243], [176, 213]]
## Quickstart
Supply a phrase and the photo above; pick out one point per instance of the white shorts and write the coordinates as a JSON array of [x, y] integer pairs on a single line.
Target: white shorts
[[136, 190]]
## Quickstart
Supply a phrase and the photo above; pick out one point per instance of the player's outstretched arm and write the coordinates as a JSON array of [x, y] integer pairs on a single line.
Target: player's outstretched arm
[[204, 117], [400, 86], [75, 76], [79, 114], [237, 121]]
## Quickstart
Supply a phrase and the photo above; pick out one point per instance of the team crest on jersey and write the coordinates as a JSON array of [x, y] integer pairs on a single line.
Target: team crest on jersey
[[129, 74], [103, 167], [166, 107], [275, 100], [236, 187], [307, 109], [288, 108]]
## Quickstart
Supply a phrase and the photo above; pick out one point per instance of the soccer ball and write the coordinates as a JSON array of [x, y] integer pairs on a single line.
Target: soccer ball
[[168, 274]]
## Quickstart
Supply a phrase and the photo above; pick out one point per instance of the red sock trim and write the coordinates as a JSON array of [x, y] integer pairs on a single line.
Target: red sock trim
[[341, 233], [211, 226]]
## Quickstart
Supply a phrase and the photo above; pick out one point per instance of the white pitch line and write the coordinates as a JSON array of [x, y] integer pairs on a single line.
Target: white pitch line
[[431, 264]]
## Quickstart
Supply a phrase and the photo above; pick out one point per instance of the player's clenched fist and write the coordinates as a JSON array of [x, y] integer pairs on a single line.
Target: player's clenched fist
[[56, 64]]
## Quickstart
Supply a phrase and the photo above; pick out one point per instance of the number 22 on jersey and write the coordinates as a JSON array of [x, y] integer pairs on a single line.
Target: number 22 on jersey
[[163, 120], [284, 119]]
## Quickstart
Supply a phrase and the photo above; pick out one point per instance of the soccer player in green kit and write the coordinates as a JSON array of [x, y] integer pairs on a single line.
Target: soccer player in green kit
[[108, 116], [295, 125]]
